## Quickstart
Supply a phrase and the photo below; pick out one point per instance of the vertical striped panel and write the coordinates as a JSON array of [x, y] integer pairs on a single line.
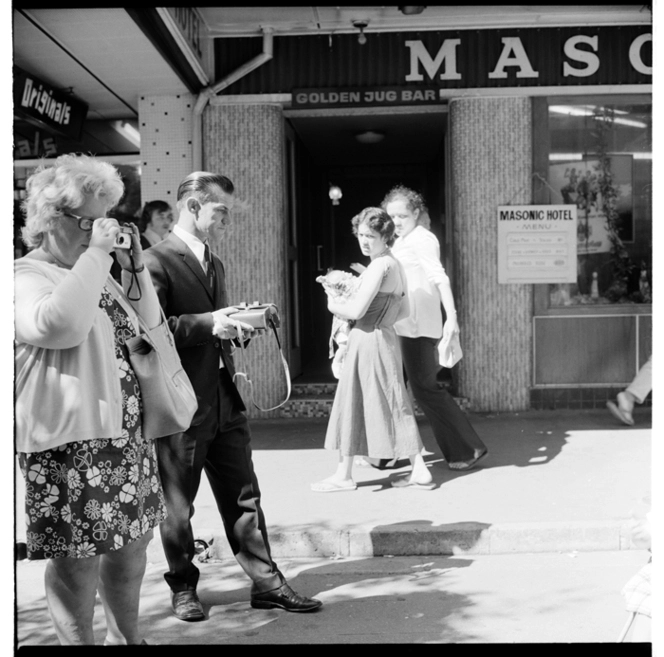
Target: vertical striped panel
[[491, 166], [246, 143]]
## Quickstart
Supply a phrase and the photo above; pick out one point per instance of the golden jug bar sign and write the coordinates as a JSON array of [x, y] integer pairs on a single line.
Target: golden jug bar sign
[[537, 243], [365, 97]]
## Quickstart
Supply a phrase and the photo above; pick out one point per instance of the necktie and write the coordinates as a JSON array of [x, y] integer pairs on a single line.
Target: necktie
[[209, 267]]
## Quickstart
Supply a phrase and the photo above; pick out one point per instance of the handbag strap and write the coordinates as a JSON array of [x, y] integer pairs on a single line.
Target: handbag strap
[[140, 325], [118, 294], [248, 380]]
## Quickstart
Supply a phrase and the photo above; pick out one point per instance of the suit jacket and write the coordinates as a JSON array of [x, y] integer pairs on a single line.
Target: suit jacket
[[187, 300]]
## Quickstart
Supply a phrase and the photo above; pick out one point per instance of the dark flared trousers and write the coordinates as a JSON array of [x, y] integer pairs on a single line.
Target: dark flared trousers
[[220, 445], [453, 432]]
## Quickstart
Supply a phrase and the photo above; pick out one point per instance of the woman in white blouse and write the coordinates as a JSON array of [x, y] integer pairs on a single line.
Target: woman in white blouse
[[420, 333]]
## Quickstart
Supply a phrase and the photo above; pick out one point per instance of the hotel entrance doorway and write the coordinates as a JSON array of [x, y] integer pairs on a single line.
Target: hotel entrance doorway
[[327, 155]]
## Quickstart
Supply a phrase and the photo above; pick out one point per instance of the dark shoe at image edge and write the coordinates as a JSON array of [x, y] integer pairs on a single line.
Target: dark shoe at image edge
[[187, 606], [284, 598]]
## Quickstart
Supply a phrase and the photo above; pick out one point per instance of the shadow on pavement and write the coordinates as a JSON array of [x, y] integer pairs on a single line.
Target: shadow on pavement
[[513, 439], [365, 601]]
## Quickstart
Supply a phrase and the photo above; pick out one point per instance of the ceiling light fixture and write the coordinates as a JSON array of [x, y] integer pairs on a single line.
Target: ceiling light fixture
[[411, 11], [361, 26], [128, 131], [588, 110], [370, 136]]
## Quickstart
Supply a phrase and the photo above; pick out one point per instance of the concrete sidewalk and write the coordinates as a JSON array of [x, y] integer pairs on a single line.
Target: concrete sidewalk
[[553, 481], [511, 599], [537, 536]]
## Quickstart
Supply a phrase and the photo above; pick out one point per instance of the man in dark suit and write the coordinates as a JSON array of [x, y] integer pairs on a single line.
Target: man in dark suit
[[190, 282]]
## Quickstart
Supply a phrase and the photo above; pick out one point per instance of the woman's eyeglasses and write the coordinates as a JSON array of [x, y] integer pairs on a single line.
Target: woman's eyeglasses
[[84, 223]]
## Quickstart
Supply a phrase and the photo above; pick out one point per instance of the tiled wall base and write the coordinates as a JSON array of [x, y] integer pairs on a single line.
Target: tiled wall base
[[553, 398], [315, 400], [307, 408]]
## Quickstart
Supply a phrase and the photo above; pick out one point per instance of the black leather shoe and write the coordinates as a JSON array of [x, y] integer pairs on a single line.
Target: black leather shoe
[[284, 598], [187, 606]]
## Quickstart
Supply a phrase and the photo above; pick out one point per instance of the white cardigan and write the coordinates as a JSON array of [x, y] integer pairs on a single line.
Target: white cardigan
[[419, 253], [67, 385]]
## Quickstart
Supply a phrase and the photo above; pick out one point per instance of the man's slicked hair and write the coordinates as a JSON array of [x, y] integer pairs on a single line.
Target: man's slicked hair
[[202, 185]]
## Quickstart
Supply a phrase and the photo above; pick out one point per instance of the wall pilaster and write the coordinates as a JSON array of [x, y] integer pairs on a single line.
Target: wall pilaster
[[491, 165]]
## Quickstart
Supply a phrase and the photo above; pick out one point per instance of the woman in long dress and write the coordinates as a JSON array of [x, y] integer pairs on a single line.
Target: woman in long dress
[[372, 414]]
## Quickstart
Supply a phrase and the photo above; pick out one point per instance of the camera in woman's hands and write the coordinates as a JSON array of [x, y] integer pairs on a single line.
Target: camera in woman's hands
[[123, 238]]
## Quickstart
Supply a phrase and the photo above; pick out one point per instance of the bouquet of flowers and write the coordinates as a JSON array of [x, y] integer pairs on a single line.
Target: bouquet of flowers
[[342, 286]]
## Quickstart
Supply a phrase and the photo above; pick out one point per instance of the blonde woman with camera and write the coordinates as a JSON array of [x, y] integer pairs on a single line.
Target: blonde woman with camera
[[93, 493]]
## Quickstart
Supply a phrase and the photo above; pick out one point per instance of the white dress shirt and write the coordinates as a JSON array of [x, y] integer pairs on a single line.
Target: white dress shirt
[[419, 253], [196, 246]]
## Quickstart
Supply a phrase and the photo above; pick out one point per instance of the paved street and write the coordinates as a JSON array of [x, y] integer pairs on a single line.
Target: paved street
[[531, 547], [525, 598]]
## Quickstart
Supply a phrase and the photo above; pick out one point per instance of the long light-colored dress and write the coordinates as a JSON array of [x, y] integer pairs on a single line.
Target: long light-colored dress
[[372, 414]]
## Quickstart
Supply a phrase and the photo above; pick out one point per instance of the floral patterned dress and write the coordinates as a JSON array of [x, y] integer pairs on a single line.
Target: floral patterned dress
[[89, 497]]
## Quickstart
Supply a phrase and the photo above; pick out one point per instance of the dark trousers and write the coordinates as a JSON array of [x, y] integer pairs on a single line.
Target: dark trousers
[[220, 445], [452, 430]]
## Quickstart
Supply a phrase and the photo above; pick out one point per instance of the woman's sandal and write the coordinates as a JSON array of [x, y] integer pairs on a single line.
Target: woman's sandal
[[331, 487], [467, 465], [407, 483]]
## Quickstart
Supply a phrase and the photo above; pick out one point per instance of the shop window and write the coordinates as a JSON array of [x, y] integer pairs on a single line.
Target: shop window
[[129, 206], [600, 159]]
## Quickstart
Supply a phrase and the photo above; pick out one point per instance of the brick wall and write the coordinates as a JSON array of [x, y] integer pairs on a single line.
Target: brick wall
[[491, 166]]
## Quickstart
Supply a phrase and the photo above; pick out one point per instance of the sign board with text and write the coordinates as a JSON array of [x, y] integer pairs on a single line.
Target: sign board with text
[[364, 97], [43, 105], [537, 244], [316, 66]]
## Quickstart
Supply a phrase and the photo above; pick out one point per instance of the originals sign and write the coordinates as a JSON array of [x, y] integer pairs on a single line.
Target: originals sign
[[47, 107]]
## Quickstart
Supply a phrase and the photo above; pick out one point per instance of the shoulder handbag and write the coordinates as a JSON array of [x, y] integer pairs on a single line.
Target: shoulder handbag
[[449, 351], [169, 400]]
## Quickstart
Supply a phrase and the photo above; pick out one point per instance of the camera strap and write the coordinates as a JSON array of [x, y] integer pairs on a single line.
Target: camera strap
[[243, 372], [134, 279]]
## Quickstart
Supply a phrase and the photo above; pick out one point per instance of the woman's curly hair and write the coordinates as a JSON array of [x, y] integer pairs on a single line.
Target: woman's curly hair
[[414, 200], [378, 220], [64, 185]]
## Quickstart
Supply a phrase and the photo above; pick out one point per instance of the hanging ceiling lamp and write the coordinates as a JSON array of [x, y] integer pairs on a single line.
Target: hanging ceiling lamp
[[335, 194], [361, 26], [370, 136]]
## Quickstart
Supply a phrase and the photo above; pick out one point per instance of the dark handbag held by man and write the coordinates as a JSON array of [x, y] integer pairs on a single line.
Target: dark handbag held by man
[[169, 400], [261, 316], [258, 315]]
